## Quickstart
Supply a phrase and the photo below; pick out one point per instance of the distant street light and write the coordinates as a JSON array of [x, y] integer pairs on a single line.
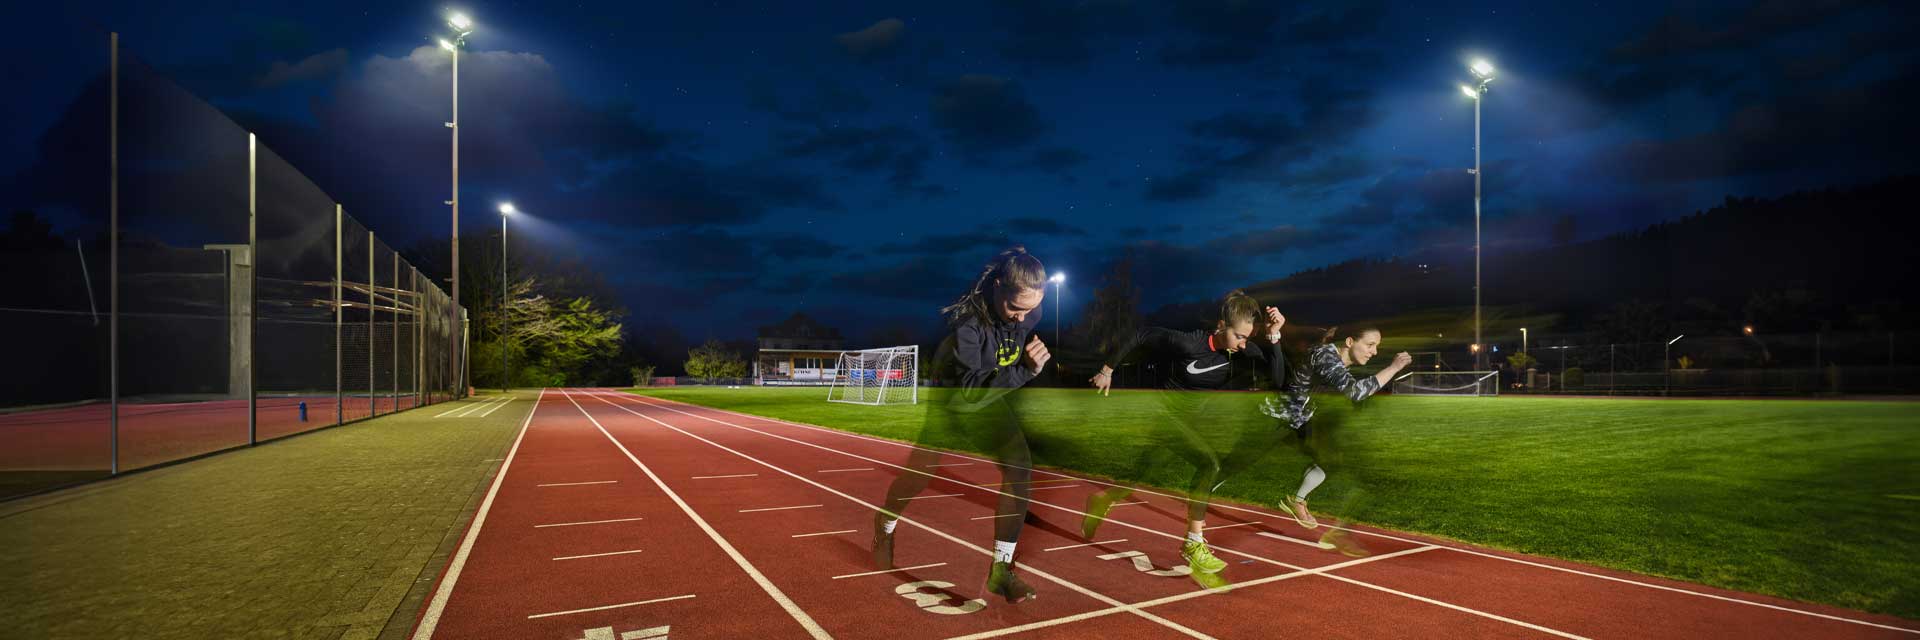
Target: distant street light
[[1058, 279], [1668, 357]]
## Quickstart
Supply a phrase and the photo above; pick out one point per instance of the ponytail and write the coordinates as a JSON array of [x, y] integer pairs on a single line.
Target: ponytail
[[1011, 270]]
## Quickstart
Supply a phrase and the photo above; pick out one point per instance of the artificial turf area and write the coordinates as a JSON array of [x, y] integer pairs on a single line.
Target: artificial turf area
[[1811, 500]]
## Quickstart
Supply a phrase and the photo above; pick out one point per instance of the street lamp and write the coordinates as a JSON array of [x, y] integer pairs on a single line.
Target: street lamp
[[506, 372], [1667, 385], [1058, 280], [462, 27], [1484, 72]]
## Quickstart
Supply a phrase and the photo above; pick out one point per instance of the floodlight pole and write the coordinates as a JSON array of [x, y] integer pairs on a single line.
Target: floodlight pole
[[1667, 362]]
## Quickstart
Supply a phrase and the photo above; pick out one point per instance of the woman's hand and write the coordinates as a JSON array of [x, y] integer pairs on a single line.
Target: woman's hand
[[1274, 322], [1103, 381]]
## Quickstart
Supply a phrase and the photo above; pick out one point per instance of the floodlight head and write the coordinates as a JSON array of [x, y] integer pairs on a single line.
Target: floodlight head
[[1676, 339], [1058, 278], [1748, 329], [1483, 69], [1470, 92], [460, 21], [506, 208], [446, 45]]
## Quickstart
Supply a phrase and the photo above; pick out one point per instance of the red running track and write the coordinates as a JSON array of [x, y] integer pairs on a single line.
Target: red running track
[[618, 516]]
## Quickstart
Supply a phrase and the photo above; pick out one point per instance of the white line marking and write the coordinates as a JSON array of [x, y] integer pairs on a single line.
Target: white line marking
[[1009, 484], [1216, 548], [611, 606], [575, 524], [596, 555], [1089, 544], [1064, 486], [496, 407], [1122, 504], [468, 410], [737, 475], [1276, 536], [840, 470], [806, 621], [1270, 514], [804, 506], [955, 464], [1004, 515], [943, 495], [1230, 526], [823, 533], [1184, 596], [942, 534], [575, 484], [431, 619], [875, 573]]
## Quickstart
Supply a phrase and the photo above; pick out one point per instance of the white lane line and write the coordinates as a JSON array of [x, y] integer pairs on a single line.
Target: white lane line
[[1184, 596], [806, 621], [875, 573], [473, 407], [575, 524], [431, 619], [496, 407], [1064, 486], [1122, 504], [804, 506], [457, 408], [943, 495], [575, 484], [937, 532], [1089, 544], [737, 475], [1230, 526], [611, 606], [1276, 536], [840, 470], [597, 555], [1009, 484], [823, 533], [1363, 532], [1216, 548], [955, 464], [1004, 515]]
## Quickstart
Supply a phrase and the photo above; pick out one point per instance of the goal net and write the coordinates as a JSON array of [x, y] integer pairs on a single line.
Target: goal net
[[1448, 383], [877, 376]]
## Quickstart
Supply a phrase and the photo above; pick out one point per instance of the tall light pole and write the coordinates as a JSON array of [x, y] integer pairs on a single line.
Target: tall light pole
[[1484, 72], [506, 371], [1523, 343], [462, 27], [1058, 279], [1667, 356]]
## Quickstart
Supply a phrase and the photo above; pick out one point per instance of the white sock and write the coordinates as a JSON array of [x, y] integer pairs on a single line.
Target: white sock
[[1002, 551], [1196, 536], [1313, 479], [891, 524]]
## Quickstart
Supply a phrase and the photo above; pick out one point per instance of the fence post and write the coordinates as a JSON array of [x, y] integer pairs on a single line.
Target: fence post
[[373, 408], [113, 252], [253, 293]]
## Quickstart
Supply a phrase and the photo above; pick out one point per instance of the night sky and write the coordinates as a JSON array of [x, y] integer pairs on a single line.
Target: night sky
[[727, 163]]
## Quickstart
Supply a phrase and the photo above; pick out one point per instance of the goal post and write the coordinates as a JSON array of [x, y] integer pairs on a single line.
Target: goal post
[[889, 375], [1448, 383]]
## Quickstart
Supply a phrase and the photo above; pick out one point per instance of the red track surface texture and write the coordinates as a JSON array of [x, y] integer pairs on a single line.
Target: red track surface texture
[[622, 517]]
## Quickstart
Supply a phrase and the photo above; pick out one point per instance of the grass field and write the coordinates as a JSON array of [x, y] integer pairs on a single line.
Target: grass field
[[1810, 500]]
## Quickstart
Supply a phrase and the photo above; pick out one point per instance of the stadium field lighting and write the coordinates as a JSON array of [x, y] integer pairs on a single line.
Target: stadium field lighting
[[1484, 71], [506, 372], [1667, 385], [462, 27], [1059, 279]]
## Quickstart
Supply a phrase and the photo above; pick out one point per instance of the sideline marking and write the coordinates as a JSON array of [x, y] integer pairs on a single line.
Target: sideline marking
[[1089, 544], [840, 470], [596, 555], [431, 618], [943, 495], [737, 475], [575, 484], [823, 533], [804, 506]]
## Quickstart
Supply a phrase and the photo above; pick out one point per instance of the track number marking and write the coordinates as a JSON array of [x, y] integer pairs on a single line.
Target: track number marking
[[937, 602], [1142, 564], [606, 633]]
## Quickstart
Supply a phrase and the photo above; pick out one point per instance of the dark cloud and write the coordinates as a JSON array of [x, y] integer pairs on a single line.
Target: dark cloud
[[899, 152], [1678, 34], [945, 243], [1217, 33], [982, 114], [1062, 33], [1058, 161], [878, 40], [1263, 146], [1043, 226], [318, 66], [829, 100], [932, 279]]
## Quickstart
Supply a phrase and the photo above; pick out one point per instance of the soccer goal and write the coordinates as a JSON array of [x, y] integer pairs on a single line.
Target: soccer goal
[[877, 376], [1448, 383]]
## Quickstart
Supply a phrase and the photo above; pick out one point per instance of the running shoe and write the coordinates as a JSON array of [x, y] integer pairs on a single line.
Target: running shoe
[[1002, 582]]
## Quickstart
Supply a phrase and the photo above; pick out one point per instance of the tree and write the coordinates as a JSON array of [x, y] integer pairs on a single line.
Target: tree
[[1520, 361], [1113, 315], [713, 360]]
